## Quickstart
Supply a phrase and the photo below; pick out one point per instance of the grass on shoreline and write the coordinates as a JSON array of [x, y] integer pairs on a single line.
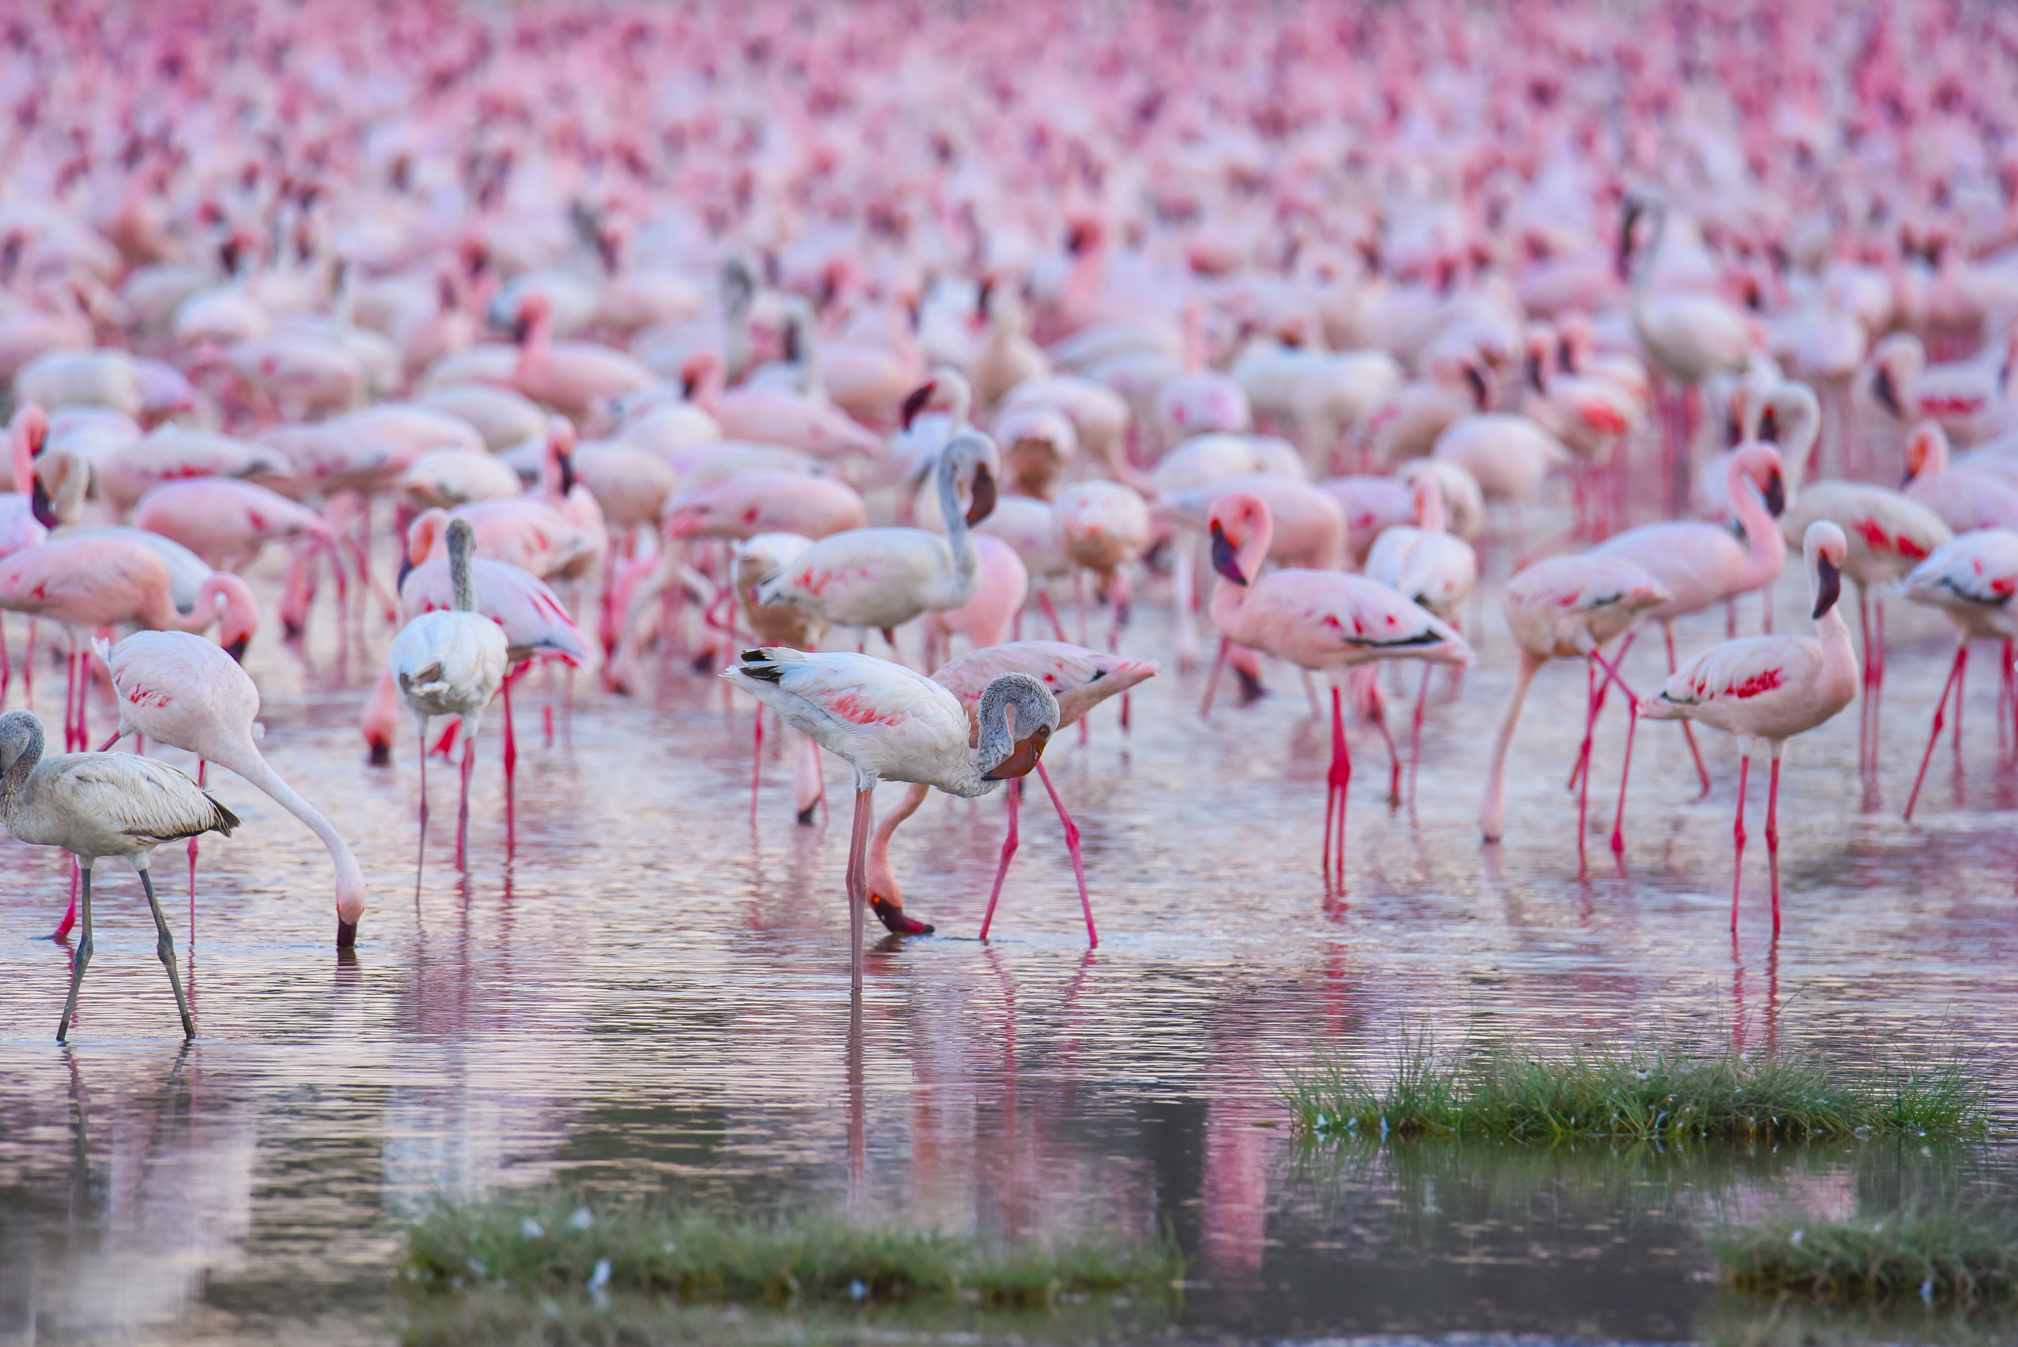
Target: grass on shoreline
[[1644, 1093], [560, 1246], [1941, 1258]]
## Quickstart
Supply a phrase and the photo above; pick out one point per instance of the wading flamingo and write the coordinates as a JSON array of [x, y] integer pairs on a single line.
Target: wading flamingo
[[95, 805], [1971, 579], [891, 723], [1767, 689], [1430, 566]]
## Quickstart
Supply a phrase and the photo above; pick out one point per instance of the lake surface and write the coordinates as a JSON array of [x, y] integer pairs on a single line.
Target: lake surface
[[647, 992]]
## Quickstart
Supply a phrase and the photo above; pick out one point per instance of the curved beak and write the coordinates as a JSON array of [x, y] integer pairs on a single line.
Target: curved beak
[[237, 649], [1023, 761], [1828, 586], [1887, 393], [984, 495], [1224, 559], [1776, 495]]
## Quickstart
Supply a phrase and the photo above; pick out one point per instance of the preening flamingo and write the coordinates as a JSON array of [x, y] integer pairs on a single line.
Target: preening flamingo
[[95, 805], [1971, 579], [893, 724], [1767, 689]]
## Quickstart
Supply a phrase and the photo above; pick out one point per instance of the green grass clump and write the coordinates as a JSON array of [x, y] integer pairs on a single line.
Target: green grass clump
[[1944, 1258], [560, 1247], [1639, 1093]]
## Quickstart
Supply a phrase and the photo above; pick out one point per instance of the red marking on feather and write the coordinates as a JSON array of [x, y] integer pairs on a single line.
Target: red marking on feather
[[850, 707], [1764, 681], [2002, 586], [1908, 548], [148, 697], [1603, 416], [1873, 535]]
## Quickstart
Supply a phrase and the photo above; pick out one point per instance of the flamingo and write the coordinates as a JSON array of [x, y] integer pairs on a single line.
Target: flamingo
[[892, 723], [1965, 497], [1103, 527], [95, 805], [1081, 679], [1971, 579], [1433, 567], [181, 690], [1568, 608], [1322, 621], [883, 578], [1702, 564], [1889, 536], [579, 379], [1767, 689], [451, 663]]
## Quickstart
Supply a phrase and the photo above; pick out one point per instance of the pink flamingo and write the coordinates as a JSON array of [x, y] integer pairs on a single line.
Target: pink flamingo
[[1322, 621], [892, 723], [986, 618], [1080, 679], [181, 690], [1889, 536], [1568, 608], [1767, 689], [1971, 579], [1702, 564], [103, 580], [579, 379], [1432, 566]]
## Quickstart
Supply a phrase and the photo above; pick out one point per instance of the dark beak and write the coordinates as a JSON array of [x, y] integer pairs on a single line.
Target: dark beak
[[915, 403], [405, 569], [1769, 426], [346, 934], [520, 327], [1887, 395], [1224, 559], [237, 649], [1828, 586], [567, 472], [1626, 223], [984, 495], [1024, 760], [1776, 496], [1477, 382]]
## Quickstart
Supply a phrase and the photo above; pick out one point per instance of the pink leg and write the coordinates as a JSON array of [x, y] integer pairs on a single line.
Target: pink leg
[[1078, 862], [28, 667], [446, 743], [462, 810], [858, 883], [1584, 755], [511, 758], [1212, 680], [1738, 836], [202, 768], [1869, 671], [62, 931], [1702, 772], [1619, 819], [1015, 798], [420, 859], [757, 764], [1336, 782], [1415, 732], [1773, 839], [1051, 614], [84, 700], [1954, 671], [6, 666]]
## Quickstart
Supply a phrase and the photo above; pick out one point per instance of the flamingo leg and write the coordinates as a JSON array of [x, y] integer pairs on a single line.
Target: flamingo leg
[[1415, 732], [1961, 684], [1688, 733], [1773, 838], [201, 768], [420, 859], [1584, 755], [1393, 755], [79, 961], [1954, 672], [1051, 614], [1336, 781], [1014, 798], [62, 931], [858, 882], [462, 809], [511, 757], [1738, 838], [1869, 670], [164, 949], [1212, 679], [1625, 771], [1078, 861], [6, 665], [757, 764]]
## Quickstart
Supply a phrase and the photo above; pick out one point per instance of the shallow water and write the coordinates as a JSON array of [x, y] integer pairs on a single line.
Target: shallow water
[[645, 992]]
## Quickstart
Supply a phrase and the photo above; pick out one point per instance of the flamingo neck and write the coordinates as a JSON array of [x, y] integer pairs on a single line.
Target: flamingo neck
[[1762, 532], [1229, 601], [247, 761]]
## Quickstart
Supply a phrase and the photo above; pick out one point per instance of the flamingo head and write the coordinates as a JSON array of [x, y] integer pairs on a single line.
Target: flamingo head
[[1236, 517], [1018, 716], [532, 310], [1926, 451], [1761, 463], [1826, 548]]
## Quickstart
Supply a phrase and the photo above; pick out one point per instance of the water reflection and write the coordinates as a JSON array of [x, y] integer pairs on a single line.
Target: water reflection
[[645, 992]]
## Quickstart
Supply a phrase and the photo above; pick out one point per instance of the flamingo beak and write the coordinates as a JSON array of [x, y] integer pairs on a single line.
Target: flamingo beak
[[984, 495], [1776, 495], [237, 649], [1887, 393], [1224, 559], [1024, 760], [346, 934], [915, 403], [1828, 586]]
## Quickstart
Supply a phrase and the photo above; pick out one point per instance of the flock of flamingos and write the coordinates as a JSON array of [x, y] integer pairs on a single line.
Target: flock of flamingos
[[750, 338]]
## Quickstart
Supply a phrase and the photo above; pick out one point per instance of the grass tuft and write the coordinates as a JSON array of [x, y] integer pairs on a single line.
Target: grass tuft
[[1638, 1093], [1942, 1258], [561, 1246]]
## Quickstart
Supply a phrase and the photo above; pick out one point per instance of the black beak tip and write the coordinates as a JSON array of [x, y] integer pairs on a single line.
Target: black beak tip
[[237, 649], [1776, 495], [346, 934], [381, 753]]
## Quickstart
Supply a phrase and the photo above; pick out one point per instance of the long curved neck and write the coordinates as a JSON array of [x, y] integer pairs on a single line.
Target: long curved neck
[[14, 783], [1229, 601], [959, 537], [248, 763], [1762, 532], [539, 329]]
